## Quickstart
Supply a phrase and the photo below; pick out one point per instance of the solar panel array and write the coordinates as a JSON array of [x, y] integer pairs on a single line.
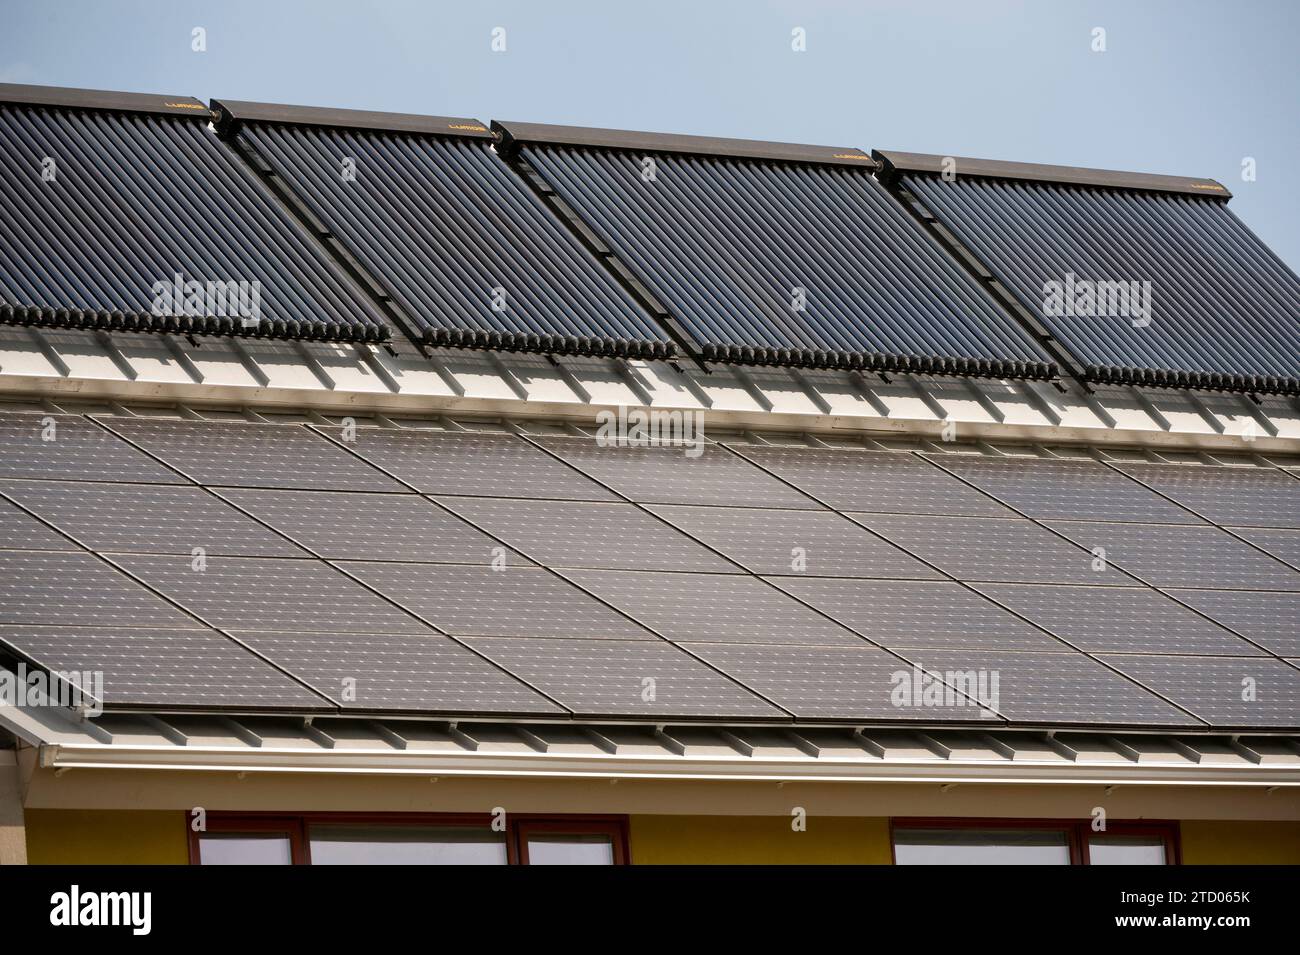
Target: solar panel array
[[772, 254], [467, 253], [288, 567], [1206, 304], [125, 212]]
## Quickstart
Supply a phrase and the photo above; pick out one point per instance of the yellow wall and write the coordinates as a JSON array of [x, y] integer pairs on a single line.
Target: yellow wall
[[741, 840], [81, 836], [101, 837], [1242, 843]]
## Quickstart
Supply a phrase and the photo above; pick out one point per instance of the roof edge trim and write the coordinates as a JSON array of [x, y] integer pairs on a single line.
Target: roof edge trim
[[894, 163], [232, 112], [24, 95], [515, 134]]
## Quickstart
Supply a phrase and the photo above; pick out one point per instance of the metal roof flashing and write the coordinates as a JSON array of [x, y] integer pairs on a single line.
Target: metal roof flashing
[[513, 135], [230, 113], [894, 163], [15, 94]]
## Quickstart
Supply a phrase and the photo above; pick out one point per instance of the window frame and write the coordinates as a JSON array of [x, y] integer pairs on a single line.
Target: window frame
[[297, 827], [1078, 833]]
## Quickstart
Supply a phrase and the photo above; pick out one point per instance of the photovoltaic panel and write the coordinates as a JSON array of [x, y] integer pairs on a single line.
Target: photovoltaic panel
[[1167, 555], [20, 531], [388, 671], [77, 590], [1223, 691], [486, 464], [468, 253], [1219, 308], [356, 526], [1257, 497], [892, 482], [1284, 544], [896, 613], [142, 192], [582, 534], [68, 447], [618, 678], [1270, 619], [668, 475], [513, 601], [256, 593], [150, 519], [834, 683], [1058, 688], [1117, 620], [251, 455], [820, 543], [764, 261], [712, 608], [164, 667], [978, 548], [1064, 489]]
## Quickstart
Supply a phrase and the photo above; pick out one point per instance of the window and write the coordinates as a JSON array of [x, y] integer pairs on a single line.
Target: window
[[1032, 842], [407, 839], [570, 842]]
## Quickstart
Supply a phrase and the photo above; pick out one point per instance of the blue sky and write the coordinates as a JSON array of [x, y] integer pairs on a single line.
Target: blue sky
[[1188, 88]]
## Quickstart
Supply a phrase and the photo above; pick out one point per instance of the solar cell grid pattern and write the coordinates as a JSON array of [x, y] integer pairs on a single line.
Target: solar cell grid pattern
[[1118, 620], [1223, 305], [1284, 544], [482, 464], [152, 667], [1271, 620], [69, 447], [977, 548], [768, 541], [1249, 496], [20, 531], [462, 244], [323, 564], [383, 671], [253, 593], [889, 482], [817, 682], [507, 602], [252, 455], [1167, 555], [581, 534], [1058, 688], [599, 677], [669, 475], [137, 198], [713, 607], [1064, 490], [147, 519], [355, 526], [1225, 691], [897, 613], [779, 263]]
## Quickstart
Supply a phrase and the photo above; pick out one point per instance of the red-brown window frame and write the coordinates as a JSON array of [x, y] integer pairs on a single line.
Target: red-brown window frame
[[1077, 832], [297, 827]]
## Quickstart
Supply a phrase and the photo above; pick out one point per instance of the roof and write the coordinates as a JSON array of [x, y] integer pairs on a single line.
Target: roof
[[525, 571]]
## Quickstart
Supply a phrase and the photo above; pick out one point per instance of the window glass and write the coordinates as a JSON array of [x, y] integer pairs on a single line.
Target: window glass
[[406, 845], [566, 849], [981, 847], [237, 848], [1126, 850]]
